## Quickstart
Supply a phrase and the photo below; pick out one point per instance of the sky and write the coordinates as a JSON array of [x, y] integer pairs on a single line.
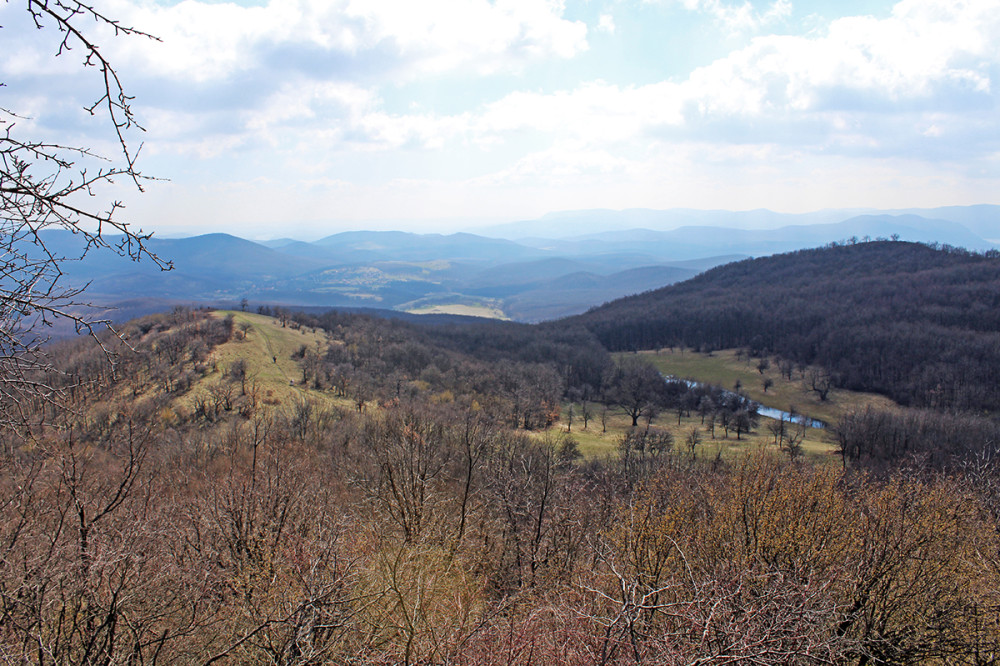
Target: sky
[[301, 118]]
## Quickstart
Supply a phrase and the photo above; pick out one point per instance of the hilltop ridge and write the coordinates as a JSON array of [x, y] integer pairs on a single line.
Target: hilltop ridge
[[916, 323]]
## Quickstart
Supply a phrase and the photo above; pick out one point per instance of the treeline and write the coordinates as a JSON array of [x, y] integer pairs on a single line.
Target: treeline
[[919, 324], [577, 355], [518, 375], [512, 371], [928, 439]]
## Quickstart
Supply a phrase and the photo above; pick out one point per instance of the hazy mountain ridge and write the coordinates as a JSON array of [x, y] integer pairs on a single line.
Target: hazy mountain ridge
[[528, 280], [387, 270], [691, 241], [981, 219]]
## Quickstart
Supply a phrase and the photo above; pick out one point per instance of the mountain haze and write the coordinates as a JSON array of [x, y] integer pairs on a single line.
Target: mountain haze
[[983, 220], [533, 279]]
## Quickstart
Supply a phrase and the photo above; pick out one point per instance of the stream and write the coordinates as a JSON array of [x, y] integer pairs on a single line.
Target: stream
[[770, 412]]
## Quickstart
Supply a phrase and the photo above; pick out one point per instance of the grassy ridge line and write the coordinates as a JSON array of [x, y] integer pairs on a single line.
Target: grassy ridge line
[[267, 350]]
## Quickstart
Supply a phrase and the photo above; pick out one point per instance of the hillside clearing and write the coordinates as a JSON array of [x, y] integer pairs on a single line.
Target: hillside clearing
[[724, 368], [267, 349], [599, 440], [487, 311]]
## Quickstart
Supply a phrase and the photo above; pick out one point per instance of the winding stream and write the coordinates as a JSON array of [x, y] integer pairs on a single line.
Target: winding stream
[[770, 412]]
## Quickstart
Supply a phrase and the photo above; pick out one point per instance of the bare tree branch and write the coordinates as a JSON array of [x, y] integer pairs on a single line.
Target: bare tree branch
[[43, 187]]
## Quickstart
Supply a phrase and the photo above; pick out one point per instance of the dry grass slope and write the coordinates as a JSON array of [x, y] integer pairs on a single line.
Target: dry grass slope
[[267, 348]]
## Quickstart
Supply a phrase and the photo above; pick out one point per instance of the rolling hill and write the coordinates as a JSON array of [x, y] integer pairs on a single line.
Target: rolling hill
[[530, 280], [914, 322], [384, 270]]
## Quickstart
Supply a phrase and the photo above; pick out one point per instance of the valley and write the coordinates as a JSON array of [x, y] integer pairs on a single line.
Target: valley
[[522, 277], [241, 486], [269, 351]]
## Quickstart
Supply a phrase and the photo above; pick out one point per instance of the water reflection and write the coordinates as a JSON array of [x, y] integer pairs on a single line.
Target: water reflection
[[769, 412]]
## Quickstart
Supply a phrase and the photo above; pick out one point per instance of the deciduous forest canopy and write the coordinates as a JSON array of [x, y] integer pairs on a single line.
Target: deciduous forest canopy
[[406, 500], [920, 324]]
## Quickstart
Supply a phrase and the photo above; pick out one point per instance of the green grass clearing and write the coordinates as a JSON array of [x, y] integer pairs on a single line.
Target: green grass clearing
[[599, 440], [723, 369], [267, 349]]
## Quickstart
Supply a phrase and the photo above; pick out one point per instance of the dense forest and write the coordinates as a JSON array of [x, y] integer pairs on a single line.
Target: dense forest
[[407, 504], [918, 323]]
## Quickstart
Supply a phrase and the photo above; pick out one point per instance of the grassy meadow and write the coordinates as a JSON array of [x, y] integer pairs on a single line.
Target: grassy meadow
[[599, 439], [723, 368], [267, 347], [462, 309]]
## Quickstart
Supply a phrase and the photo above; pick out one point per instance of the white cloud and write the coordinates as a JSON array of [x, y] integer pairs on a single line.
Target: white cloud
[[446, 34], [202, 41], [911, 63], [741, 17], [855, 91], [312, 91], [926, 58], [598, 111], [565, 164]]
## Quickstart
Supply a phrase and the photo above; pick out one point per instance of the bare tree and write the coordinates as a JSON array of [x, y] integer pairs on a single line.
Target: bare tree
[[635, 386], [43, 187], [692, 440], [238, 373], [778, 428], [743, 421], [819, 382], [409, 458], [586, 413], [792, 444]]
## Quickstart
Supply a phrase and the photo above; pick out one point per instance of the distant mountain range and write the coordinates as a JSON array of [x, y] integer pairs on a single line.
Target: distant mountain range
[[982, 220], [544, 274]]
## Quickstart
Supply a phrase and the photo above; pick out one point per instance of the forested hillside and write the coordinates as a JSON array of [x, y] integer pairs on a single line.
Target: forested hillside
[[918, 323], [348, 490]]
